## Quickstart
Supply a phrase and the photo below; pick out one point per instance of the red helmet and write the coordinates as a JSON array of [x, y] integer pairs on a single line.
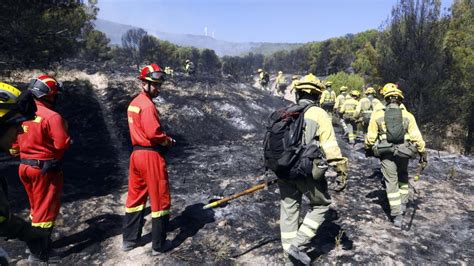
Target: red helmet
[[152, 73], [44, 85]]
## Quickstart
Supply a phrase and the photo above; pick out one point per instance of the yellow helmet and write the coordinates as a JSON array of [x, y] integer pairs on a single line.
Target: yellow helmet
[[370, 90], [16, 106], [328, 83], [310, 84], [355, 93], [280, 72], [343, 88], [259, 70], [295, 77], [387, 87], [393, 92]]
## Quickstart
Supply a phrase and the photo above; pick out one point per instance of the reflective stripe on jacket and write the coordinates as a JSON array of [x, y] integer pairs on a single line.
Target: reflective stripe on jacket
[[318, 126], [349, 106], [377, 129], [45, 137], [327, 97], [144, 124]]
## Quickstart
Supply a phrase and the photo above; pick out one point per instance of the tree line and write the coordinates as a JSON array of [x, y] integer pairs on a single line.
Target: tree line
[[428, 52]]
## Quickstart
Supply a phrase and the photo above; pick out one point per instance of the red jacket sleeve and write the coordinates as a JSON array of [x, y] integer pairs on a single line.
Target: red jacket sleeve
[[152, 128], [58, 133]]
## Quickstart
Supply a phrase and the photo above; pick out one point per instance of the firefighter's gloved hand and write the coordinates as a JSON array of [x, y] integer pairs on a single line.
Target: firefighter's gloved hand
[[423, 157]]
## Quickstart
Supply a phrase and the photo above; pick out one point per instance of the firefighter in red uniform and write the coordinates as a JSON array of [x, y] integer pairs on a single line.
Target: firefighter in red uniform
[[42, 145], [147, 173]]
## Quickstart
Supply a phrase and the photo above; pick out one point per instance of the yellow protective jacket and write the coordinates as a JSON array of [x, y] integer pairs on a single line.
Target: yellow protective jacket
[[292, 85], [377, 129], [280, 79], [367, 106], [340, 101], [327, 97], [318, 126], [262, 75], [349, 106]]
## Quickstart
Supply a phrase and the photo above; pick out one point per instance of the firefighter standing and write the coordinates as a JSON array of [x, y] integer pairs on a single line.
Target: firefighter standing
[[318, 128], [42, 145], [366, 106], [14, 109], [395, 152], [328, 98], [347, 112], [147, 174], [263, 78], [280, 84], [189, 67], [294, 79]]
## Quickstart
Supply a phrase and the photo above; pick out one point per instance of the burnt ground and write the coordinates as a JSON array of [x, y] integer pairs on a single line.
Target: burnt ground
[[219, 128]]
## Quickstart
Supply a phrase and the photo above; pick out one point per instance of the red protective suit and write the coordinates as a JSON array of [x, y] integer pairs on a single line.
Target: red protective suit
[[43, 139], [147, 174]]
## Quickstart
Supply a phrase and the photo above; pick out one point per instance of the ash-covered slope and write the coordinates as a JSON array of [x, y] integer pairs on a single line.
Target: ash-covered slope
[[219, 128]]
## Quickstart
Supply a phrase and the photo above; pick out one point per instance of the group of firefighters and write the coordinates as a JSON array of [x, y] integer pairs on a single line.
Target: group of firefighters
[[34, 131], [391, 134]]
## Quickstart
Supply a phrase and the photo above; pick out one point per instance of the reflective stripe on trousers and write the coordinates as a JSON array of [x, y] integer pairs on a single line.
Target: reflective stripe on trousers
[[395, 174]]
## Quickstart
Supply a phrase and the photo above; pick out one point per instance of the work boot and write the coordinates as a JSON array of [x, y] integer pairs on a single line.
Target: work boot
[[159, 227], [397, 221], [167, 245], [128, 245], [298, 255], [52, 257], [341, 183]]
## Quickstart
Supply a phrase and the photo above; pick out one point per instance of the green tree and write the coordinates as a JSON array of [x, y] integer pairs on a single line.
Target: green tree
[[352, 81], [43, 32], [131, 42], [96, 46], [366, 61], [209, 62], [457, 91], [410, 52]]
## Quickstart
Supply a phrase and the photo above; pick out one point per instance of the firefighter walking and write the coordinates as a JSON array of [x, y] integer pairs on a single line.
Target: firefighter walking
[[147, 174], [318, 129], [42, 145], [347, 111], [394, 137]]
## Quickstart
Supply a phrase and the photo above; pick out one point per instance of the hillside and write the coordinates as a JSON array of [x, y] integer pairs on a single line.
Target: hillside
[[219, 129], [114, 32]]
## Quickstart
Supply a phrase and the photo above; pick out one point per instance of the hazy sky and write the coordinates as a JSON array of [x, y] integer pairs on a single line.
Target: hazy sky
[[253, 20]]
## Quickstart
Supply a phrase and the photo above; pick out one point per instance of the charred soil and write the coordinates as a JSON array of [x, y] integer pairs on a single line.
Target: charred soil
[[219, 128]]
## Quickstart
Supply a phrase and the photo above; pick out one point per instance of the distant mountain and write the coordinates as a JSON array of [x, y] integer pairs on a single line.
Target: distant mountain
[[114, 31]]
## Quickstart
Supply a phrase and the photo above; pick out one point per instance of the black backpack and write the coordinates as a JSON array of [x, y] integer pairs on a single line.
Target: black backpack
[[283, 145], [394, 124]]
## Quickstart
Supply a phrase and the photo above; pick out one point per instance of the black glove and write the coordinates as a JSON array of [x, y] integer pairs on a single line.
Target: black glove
[[369, 152], [423, 157]]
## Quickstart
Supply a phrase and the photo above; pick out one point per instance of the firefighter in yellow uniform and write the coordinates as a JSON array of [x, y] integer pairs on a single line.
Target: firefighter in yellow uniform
[[294, 79], [394, 137], [318, 131], [280, 84], [338, 105], [340, 99], [384, 90], [348, 113], [263, 78], [328, 98], [366, 106]]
